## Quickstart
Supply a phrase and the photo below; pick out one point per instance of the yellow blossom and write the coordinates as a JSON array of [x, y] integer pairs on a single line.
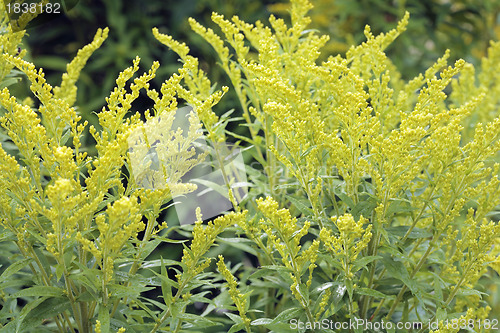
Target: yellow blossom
[[352, 239]]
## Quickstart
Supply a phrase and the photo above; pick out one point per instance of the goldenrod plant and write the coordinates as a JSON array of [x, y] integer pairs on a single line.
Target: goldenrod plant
[[374, 203]]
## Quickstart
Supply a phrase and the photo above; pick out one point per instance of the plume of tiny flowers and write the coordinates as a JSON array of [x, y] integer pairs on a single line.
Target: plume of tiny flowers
[[323, 303], [120, 222], [198, 94], [472, 253], [238, 298], [351, 240], [67, 90], [9, 40], [192, 261], [285, 235], [203, 239]]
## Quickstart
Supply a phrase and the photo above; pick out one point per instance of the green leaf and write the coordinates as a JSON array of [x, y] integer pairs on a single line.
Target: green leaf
[[14, 268], [398, 270], [465, 291], [278, 281], [287, 315], [261, 321], [26, 310], [438, 285], [150, 246], [9, 328], [37, 236], [9, 82], [115, 325], [240, 243], [147, 309], [166, 286], [221, 189], [241, 137], [264, 270], [363, 262], [49, 308], [133, 291], [171, 241], [65, 136], [441, 314], [104, 318], [370, 292], [159, 263], [344, 198], [7, 236], [364, 207], [399, 206], [59, 271], [16, 283], [416, 233], [307, 151], [339, 292], [301, 205], [350, 288], [294, 326], [81, 280], [236, 327], [87, 296], [40, 291], [235, 318], [199, 320], [42, 258]]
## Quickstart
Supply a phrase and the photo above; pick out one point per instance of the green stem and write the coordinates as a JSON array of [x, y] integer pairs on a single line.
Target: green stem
[[271, 166], [372, 252], [45, 278], [174, 300], [417, 268], [137, 262], [455, 289], [72, 301], [222, 167], [377, 310]]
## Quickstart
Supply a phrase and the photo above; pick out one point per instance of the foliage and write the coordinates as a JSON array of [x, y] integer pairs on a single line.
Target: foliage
[[463, 26], [52, 45], [372, 198]]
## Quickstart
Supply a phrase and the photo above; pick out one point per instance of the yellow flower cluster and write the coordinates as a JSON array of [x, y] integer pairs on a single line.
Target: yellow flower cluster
[[121, 222], [67, 90], [348, 132], [203, 239], [284, 235], [199, 94], [78, 205], [238, 298], [9, 41], [469, 256], [323, 304], [193, 262], [352, 239]]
